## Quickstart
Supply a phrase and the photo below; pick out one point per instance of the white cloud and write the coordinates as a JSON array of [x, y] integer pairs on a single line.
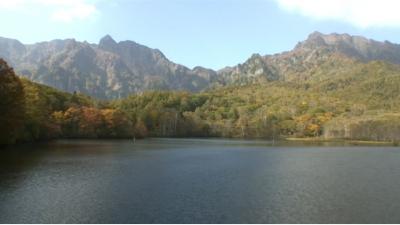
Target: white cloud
[[360, 13], [74, 10], [56, 10]]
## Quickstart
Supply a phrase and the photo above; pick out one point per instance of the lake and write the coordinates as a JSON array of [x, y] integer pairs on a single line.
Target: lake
[[198, 181]]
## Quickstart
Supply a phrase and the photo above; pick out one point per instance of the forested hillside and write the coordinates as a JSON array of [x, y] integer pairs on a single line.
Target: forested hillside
[[359, 103], [329, 86], [362, 92], [31, 112]]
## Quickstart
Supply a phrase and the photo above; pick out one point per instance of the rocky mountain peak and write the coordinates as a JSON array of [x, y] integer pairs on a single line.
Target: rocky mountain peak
[[314, 40], [317, 39], [315, 34], [11, 48], [308, 56], [357, 47], [107, 42]]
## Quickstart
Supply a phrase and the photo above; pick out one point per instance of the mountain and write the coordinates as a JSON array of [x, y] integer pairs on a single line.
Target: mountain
[[308, 56], [105, 70], [332, 86], [113, 69]]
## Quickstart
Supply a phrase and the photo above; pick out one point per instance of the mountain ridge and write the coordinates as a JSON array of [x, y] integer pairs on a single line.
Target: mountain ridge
[[112, 69], [105, 70], [307, 55]]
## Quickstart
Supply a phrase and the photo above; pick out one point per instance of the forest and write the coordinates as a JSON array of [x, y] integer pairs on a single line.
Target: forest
[[360, 107]]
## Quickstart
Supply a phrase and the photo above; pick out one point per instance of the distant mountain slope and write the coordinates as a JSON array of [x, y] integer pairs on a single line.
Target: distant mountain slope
[[305, 60], [106, 70]]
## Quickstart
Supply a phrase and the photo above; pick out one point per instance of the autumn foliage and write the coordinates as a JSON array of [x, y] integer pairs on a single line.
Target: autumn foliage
[[356, 103], [90, 122]]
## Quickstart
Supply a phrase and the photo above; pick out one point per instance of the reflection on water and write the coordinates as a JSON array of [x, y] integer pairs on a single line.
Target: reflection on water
[[198, 181]]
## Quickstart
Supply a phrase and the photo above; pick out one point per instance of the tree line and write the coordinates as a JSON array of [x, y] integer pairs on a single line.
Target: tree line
[[340, 107]]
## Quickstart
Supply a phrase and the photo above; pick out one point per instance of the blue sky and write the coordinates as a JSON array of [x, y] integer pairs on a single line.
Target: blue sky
[[210, 33]]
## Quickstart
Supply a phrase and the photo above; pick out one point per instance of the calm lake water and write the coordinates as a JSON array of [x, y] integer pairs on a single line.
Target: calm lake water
[[198, 181]]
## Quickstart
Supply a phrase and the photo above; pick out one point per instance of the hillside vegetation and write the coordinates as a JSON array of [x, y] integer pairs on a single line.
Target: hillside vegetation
[[361, 106], [329, 86]]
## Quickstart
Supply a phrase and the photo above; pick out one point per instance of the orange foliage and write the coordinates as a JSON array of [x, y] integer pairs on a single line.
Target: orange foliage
[[92, 122]]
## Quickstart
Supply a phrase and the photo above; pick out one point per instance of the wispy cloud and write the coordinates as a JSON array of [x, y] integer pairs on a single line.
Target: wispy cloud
[[360, 13], [57, 10]]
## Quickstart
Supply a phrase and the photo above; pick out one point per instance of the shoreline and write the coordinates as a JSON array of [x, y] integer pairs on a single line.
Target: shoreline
[[293, 140], [361, 142]]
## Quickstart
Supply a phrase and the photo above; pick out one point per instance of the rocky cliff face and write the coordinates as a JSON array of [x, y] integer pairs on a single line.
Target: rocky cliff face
[[106, 70], [353, 46]]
